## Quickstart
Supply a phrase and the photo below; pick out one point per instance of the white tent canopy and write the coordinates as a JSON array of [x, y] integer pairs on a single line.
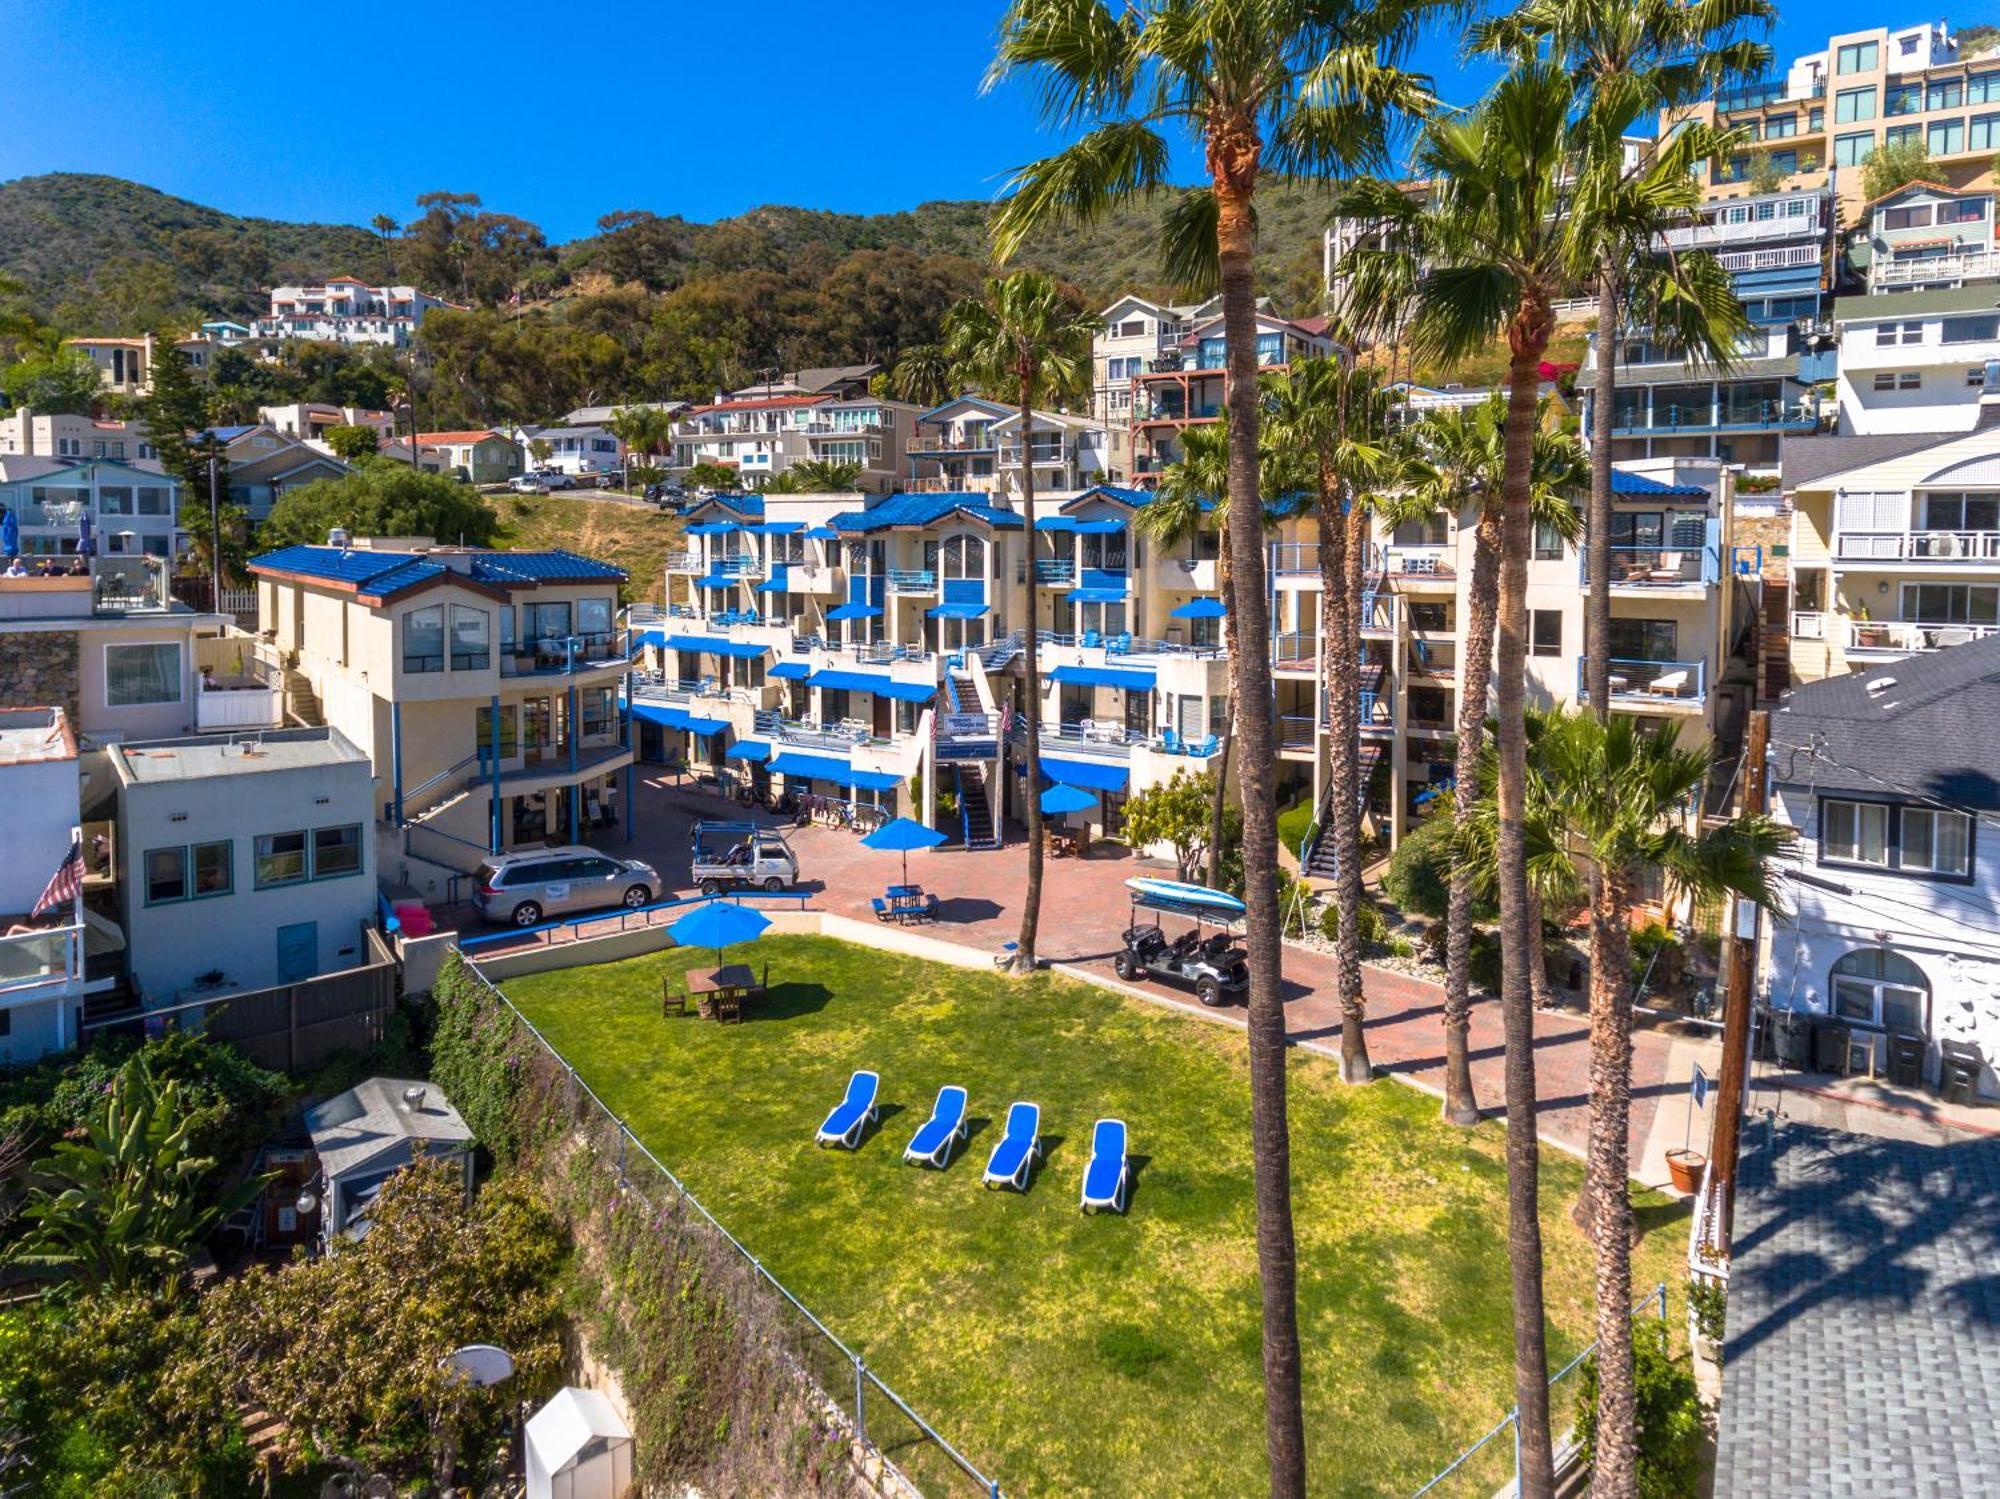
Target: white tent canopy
[[578, 1448]]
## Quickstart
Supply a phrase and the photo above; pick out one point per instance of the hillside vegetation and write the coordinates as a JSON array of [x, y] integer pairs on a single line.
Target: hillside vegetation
[[626, 536]]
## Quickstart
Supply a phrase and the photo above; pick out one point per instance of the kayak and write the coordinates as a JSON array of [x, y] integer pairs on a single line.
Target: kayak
[[1185, 897]]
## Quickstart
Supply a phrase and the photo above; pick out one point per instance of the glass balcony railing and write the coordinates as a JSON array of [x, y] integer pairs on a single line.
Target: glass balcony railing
[[1652, 683]]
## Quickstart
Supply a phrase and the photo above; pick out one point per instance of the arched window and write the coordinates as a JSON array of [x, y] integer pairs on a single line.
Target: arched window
[[1875, 987]]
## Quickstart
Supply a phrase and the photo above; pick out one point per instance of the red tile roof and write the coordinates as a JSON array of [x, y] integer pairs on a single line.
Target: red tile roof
[[472, 436]]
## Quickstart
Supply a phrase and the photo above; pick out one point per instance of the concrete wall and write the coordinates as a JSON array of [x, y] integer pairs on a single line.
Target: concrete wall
[[39, 669], [33, 1030]]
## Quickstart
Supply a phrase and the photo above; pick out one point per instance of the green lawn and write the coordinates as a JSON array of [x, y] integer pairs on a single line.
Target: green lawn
[[1294, 823], [1073, 1355]]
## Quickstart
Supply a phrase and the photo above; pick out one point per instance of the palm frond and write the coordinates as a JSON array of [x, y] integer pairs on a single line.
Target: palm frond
[[1106, 167]]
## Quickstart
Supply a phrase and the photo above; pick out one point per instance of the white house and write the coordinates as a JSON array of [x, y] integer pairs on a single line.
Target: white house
[[31, 433], [581, 450], [1891, 777], [346, 310]]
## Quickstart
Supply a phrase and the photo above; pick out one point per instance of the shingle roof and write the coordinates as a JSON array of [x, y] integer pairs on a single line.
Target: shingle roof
[[745, 506], [477, 434], [1927, 729], [819, 379], [382, 575], [1917, 303], [1803, 459], [1863, 1353], [898, 510]]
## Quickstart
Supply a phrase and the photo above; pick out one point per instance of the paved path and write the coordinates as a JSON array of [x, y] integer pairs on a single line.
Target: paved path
[[1085, 908]]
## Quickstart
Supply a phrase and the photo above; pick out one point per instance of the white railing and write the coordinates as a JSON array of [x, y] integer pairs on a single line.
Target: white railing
[[1705, 236], [1769, 260], [1918, 546], [1808, 624], [1919, 270], [238, 705], [1906, 637], [32, 959]]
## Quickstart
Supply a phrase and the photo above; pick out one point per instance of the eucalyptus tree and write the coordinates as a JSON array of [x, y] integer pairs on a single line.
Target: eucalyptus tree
[[1300, 88]]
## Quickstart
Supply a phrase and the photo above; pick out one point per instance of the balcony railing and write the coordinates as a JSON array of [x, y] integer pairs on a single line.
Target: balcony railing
[[1652, 682], [32, 959], [253, 699], [128, 585], [1918, 546], [738, 565], [1055, 571], [1770, 91], [1908, 637], [1655, 567], [1295, 650], [1752, 416], [912, 580], [1429, 561], [1769, 260], [685, 562], [569, 656], [1295, 557], [1295, 732], [1922, 270], [1093, 736], [924, 444], [842, 734]]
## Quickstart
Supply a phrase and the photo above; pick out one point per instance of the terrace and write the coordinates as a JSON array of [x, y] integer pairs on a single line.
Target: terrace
[[1652, 685], [1645, 568], [109, 585], [1140, 1332], [1918, 546]]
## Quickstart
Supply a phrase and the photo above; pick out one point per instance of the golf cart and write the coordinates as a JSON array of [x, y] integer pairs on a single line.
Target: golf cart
[[1211, 961], [728, 855]]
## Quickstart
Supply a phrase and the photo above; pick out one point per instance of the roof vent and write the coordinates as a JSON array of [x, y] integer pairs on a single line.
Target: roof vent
[[413, 1099], [337, 537], [1880, 684]]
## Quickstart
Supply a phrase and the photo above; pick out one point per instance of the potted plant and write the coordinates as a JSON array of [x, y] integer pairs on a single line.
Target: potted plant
[[1685, 1167]]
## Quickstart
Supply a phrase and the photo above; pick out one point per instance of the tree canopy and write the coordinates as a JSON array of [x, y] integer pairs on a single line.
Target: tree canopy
[[380, 498]]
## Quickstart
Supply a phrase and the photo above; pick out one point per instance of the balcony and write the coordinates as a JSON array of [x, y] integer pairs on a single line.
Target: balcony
[[737, 565], [690, 563], [1295, 733], [1722, 417], [912, 580], [1890, 640], [253, 698], [1942, 548], [1649, 569], [841, 735], [1787, 258], [1951, 270], [571, 656], [1652, 686], [1055, 572], [36, 960], [1770, 91], [1434, 658], [1088, 736], [1418, 562], [1295, 650], [922, 443]]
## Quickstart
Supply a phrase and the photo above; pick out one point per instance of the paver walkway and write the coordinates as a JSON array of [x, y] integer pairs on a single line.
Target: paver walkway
[[1084, 910]]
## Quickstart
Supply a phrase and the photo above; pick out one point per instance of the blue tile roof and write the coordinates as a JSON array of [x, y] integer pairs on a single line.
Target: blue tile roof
[[1639, 486], [749, 506], [381, 574], [229, 434], [924, 510]]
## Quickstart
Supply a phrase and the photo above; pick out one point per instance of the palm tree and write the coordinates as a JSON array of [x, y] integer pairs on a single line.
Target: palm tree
[[1460, 465], [823, 476], [645, 430], [1611, 802], [1335, 421], [1636, 58], [1301, 87], [922, 376], [385, 226], [1024, 337]]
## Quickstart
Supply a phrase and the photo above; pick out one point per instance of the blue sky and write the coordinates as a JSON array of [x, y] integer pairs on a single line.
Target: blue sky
[[559, 113]]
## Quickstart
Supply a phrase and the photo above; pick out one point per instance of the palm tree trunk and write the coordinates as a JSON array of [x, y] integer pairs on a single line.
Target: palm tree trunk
[[1219, 792], [1348, 791], [1614, 1474], [1527, 337], [1597, 522], [1031, 712], [1475, 673], [1538, 955], [1232, 154]]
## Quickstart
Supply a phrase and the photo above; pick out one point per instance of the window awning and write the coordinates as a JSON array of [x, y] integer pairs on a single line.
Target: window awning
[[1056, 523], [714, 528], [827, 768], [1092, 775], [716, 645], [778, 581], [716, 580], [670, 717], [748, 749], [959, 611], [1097, 595], [881, 686], [1109, 526], [780, 527], [853, 611], [1131, 678], [791, 671], [648, 637]]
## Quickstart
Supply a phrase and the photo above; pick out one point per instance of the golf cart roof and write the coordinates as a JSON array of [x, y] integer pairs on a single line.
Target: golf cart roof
[[1184, 900]]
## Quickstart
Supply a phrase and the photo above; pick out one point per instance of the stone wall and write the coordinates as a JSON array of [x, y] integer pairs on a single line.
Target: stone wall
[[39, 670]]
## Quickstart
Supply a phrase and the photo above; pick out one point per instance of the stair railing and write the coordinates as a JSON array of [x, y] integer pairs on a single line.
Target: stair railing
[[476, 758]]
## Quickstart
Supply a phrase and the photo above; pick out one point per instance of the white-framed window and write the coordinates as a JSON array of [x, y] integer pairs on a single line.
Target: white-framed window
[[1934, 841], [281, 859], [1880, 989], [138, 676], [1899, 380], [1893, 335], [1928, 841], [1854, 832]]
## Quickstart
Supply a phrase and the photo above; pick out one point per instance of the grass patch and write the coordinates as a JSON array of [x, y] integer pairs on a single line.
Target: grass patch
[[1293, 824], [626, 536], [1073, 1355]]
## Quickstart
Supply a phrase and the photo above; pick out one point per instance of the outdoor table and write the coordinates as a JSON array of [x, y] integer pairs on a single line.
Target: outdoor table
[[905, 892], [734, 978]]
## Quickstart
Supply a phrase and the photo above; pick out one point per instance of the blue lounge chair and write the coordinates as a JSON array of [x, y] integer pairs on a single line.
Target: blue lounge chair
[[1206, 748], [931, 1145], [1106, 1178], [1019, 1148], [1170, 742], [1092, 640], [843, 1126]]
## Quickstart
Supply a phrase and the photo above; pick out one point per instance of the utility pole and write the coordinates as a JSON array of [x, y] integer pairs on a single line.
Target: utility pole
[[1740, 967]]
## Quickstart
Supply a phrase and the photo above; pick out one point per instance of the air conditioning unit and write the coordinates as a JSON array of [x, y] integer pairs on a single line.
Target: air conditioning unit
[[799, 624]]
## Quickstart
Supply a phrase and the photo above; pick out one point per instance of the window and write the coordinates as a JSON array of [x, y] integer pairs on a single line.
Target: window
[[1132, 328], [138, 675], [336, 851], [1899, 380], [1935, 842], [1946, 137], [1985, 135], [509, 730], [1781, 127], [1951, 603], [1852, 150], [1889, 335], [281, 859], [1972, 330], [1883, 990], [423, 639], [593, 620], [114, 500], [1961, 512], [1866, 511], [214, 868], [1545, 632], [1915, 216], [1855, 832], [1945, 93], [166, 875], [470, 640], [1815, 120], [1853, 104], [1643, 639], [596, 704], [544, 622], [1429, 617], [1983, 88], [1784, 163], [153, 501], [1858, 57], [1898, 135], [1903, 99], [1549, 542], [1976, 377]]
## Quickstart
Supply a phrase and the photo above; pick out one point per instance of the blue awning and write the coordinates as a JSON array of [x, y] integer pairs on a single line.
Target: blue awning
[[822, 533], [881, 686], [959, 611], [716, 580], [780, 527], [1093, 775], [1097, 595], [1109, 526], [791, 671], [1056, 523], [648, 637], [826, 768], [1131, 678], [714, 528], [748, 749], [706, 726], [669, 717], [716, 645], [853, 610]]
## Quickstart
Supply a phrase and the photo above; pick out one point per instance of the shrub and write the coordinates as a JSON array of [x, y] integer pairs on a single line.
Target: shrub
[[1433, 940], [1374, 927], [1708, 1300], [1400, 947], [1418, 879], [1293, 824], [1657, 950], [1483, 965], [1669, 1415]]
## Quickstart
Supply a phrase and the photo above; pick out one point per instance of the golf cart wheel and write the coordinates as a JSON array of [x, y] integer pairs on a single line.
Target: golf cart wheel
[[1208, 991], [636, 897], [774, 884], [1124, 967], [711, 887], [527, 913]]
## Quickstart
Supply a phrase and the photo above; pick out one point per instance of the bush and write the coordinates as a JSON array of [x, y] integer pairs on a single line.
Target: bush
[[1400, 947], [1483, 964], [1669, 1415], [1433, 939], [1374, 927], [1418, 879], [1655, 948], [1293, 824]]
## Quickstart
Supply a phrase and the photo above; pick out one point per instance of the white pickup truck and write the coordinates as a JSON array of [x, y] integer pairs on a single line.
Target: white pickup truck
[[731, 855]]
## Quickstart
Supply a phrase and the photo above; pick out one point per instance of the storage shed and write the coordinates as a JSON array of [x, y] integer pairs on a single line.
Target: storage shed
[[364, 1136], [578, 1448]]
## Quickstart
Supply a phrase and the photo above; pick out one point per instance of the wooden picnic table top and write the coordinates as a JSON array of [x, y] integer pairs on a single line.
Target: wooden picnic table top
[[730, 976]]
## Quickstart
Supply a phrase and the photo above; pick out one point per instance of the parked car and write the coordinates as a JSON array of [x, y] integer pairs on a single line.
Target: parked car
[[527, 888], [553, 478], [727, 854], [527, 484], [667, 495], [1214, 963]]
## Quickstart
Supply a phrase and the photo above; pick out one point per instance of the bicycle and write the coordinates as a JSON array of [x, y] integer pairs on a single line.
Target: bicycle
[[358, 1482]]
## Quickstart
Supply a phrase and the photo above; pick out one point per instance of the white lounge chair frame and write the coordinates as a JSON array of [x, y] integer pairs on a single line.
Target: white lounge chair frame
[[849, 1138]]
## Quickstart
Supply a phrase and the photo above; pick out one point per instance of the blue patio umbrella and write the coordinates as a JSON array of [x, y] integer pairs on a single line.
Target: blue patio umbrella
[[1061, 798], [719, 924], [86, 544], [902, 835], [10, 534], [1203, 608]]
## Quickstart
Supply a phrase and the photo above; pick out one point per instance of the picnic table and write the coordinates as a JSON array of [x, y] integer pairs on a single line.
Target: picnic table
[[906, 903], [721, 991]]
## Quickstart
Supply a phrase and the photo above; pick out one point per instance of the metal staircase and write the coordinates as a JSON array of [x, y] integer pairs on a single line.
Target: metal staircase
[[995, 655], [975, 811]]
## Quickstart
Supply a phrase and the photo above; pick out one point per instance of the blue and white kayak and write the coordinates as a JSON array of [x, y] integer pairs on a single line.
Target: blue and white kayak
[[1180, 896]]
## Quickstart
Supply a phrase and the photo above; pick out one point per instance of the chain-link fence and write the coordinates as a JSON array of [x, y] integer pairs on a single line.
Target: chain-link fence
[[899, 1448], [1486, 1466]]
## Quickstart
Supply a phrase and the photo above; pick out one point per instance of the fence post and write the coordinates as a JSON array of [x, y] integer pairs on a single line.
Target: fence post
[[292, 1030], [860, 1414], [1514, 1421]]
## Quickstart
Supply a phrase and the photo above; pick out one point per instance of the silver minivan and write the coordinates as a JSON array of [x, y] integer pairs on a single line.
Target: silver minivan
[[528, 888]]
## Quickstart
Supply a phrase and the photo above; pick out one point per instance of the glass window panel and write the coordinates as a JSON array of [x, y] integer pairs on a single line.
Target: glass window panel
[[1902, 1009], [1945, 137], [136, 675], [423, 639], [214, 868], [1854, 1000], [1853, 104], [280, 859], [470, 638], [166, 875], [336, 851]]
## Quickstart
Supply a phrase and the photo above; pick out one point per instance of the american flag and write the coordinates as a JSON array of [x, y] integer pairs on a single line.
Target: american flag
[[65, 884]]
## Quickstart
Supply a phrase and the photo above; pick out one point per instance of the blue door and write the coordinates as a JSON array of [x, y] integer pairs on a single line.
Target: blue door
[[298, 952]]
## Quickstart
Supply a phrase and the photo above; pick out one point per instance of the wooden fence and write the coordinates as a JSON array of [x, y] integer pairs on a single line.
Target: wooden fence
[[293, 1028]]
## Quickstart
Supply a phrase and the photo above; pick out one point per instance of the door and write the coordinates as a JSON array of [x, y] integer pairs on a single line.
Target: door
[[885, 708], [561, 890], [298, 951], [535, 742]]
